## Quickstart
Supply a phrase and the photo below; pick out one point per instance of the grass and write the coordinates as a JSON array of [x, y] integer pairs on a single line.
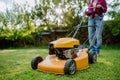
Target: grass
[[15, 65]]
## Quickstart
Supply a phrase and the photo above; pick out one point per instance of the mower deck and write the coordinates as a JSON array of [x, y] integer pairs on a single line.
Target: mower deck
[[55, 65]]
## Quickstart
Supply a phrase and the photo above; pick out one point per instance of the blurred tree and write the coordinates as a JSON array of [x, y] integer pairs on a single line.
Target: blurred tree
[[19, 22], [114, 12]]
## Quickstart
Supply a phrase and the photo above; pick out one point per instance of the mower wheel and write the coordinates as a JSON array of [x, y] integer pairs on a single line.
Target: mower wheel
[[35, 62], [92, 57], [70, 67]]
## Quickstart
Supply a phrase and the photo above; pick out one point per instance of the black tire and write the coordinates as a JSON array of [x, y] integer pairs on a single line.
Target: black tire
[[70, 67], [35, 62], [92, 57]]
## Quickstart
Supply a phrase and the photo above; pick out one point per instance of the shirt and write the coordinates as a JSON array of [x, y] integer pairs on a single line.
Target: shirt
[[98, 11]]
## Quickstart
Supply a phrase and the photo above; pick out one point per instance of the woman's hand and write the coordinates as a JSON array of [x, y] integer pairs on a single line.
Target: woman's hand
[[86, 12], [99, 6]]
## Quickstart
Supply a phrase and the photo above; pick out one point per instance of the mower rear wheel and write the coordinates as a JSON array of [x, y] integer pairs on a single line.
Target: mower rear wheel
[[92, 57], [70, 67], [35, 62]]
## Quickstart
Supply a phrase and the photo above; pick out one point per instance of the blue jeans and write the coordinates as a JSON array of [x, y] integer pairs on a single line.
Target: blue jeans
[[95, 33]]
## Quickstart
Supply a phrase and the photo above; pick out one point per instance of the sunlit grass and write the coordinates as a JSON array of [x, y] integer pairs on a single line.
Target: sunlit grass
[[15, 65]]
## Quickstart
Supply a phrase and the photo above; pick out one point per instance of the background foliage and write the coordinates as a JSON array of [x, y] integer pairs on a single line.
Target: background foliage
[[17, 25]]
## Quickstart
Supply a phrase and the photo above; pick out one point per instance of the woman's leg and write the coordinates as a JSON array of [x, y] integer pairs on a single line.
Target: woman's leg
[[99, 29], [91, 33]]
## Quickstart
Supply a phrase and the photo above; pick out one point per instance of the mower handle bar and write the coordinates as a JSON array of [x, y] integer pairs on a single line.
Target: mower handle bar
[[80, 25]]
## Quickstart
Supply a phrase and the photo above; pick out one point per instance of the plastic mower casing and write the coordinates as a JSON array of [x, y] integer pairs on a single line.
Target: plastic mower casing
[[66, 56]]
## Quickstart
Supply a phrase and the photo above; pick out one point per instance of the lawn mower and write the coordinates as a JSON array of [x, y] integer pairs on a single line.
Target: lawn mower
[[66, 56]]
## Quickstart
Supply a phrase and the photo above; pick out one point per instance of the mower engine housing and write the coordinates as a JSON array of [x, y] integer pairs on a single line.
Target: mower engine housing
[[64, 47]]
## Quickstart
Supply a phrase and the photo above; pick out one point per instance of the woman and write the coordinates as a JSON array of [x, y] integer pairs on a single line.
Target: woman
[[96, 10]]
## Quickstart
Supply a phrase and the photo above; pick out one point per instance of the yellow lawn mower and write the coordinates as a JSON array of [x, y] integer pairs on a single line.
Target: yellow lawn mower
[[66, 56]]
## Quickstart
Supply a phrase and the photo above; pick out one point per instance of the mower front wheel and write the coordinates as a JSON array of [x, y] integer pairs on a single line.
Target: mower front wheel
[[35, 62], [70, 67]]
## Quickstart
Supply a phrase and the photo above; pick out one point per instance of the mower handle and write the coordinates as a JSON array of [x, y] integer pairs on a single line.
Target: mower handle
[[80, 25]]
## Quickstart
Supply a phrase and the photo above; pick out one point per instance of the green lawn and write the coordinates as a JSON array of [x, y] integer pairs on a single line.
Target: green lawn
[[15, 65]]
